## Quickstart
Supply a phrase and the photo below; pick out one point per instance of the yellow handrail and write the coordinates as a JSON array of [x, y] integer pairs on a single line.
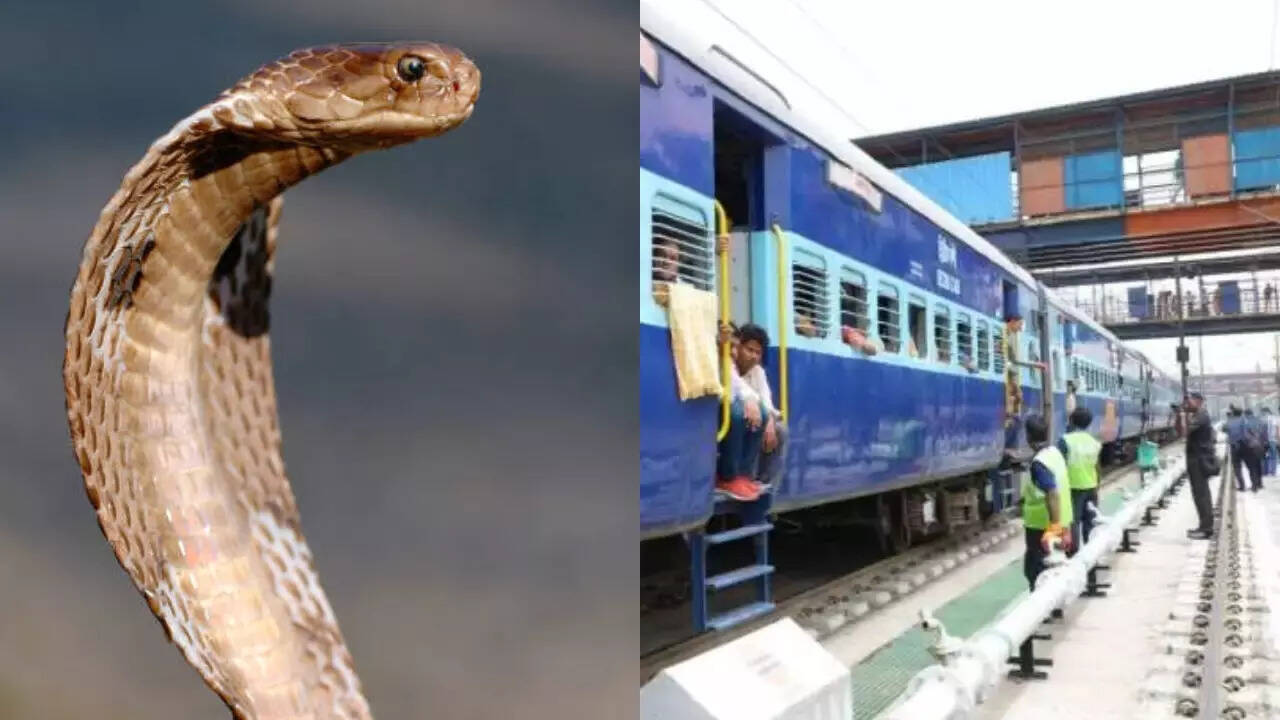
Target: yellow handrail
[[783, 404], [722, 258]]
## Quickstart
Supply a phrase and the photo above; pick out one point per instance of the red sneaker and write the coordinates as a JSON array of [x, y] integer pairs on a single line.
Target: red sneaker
[[738, 488], [746, 487], [728, 489]]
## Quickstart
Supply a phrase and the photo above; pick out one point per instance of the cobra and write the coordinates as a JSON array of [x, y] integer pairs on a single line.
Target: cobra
[[169, 390]]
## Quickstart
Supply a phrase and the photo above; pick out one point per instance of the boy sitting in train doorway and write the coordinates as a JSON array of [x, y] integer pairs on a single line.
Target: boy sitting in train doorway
[[737, 450], [757, 463], [752, 341]]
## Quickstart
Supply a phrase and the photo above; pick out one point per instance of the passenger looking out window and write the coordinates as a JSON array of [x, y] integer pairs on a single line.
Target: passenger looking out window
[[666, 267], [915, 329], [805, 325], [667, 258], [810, 299], [942, 337], [858, 340], [853, 317], [887, 319]]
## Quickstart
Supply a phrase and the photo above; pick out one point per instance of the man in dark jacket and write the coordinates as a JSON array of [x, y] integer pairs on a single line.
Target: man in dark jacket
[[1200, 463], [1253, 447], [1235, 440]]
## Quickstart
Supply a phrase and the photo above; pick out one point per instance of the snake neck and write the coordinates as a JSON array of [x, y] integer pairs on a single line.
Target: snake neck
[[154, 339]]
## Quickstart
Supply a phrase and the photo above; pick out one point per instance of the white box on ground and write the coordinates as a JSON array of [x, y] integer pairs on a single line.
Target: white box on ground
[[775, 673]]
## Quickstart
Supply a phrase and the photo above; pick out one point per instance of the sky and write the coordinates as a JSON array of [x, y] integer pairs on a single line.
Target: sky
[[912, 64]]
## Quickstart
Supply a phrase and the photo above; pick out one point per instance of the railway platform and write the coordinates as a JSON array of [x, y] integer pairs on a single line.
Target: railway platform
[[881, 673], [1176, 628]]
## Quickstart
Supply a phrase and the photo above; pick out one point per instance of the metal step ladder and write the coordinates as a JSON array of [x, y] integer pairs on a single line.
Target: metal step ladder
[[755, 527]]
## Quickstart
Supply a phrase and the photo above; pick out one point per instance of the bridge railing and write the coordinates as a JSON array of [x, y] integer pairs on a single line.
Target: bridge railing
[[1223, 300]]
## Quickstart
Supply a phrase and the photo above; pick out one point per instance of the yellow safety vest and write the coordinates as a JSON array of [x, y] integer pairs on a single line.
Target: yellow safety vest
[[1035, 511], [1082, 459]]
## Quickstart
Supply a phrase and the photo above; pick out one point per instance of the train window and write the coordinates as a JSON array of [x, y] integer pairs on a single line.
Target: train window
[[682, 251], [1075, 369], [853, 299], [984, 347], [888, 322], [917, 331], [809, 293], [942, 333], [997, 349], [1033, 375], [964, 338], [1057, 370]]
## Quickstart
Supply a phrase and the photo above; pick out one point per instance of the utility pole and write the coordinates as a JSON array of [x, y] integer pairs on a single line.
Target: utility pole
[[1202, 371], [1184, 355], [1275, 338]]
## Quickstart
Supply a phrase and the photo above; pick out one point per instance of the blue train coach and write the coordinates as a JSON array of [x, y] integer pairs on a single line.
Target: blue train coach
[[823, 239]]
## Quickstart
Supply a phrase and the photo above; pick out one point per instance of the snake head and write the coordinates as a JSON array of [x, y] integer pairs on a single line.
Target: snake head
[[361, 97]]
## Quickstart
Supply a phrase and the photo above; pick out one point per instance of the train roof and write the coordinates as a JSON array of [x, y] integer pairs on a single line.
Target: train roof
[[706, 36]]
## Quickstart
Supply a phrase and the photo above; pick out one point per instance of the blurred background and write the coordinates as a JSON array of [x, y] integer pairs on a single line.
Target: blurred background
[[453, 330]]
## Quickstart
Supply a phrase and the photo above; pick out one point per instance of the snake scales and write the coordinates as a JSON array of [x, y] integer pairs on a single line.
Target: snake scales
[[167, 370]]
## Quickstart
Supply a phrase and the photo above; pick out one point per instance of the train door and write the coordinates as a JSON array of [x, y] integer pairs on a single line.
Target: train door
[[738, 179], [1070, 365], [1147, 407], [1006, 343], [1009, 299], [742, 152], [1056, 372], [1040, 350], [742, 148]]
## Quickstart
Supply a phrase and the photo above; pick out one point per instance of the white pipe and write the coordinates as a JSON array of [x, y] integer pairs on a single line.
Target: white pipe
[[951, 691]]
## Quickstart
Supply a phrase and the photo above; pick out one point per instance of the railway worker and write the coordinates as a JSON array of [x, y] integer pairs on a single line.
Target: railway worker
[[1254, 443], [1046, 500], [769, 463], [1235, 439], [1272, 428], [1201, 463], [1082, 451]]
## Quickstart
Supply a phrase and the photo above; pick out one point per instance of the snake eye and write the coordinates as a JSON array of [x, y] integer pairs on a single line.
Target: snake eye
[[411, 68]]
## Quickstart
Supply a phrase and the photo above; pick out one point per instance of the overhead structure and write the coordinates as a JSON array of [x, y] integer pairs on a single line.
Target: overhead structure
[[1171, 184], [1103, 273], [1262, 383], [1176, 171]]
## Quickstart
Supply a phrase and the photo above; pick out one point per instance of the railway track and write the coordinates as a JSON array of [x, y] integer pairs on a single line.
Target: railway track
[[833, 605], [1222, 644]]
